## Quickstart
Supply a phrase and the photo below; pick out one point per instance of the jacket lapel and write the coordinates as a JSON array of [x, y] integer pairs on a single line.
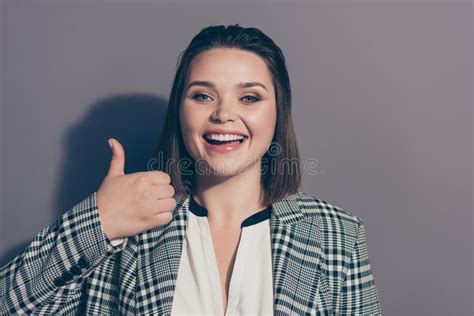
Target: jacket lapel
[[299, 287], [296, 258], [158, 263]]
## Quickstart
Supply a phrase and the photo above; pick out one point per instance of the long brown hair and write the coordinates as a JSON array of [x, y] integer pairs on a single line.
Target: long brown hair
[[281, 173]]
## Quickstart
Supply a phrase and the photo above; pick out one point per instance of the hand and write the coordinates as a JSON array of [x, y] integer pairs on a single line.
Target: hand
[[132, 203]]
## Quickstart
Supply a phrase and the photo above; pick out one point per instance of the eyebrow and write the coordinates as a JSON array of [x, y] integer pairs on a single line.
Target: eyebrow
[[239, 85]]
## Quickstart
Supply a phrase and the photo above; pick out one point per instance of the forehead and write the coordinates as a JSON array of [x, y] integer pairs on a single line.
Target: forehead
[[229, 65]]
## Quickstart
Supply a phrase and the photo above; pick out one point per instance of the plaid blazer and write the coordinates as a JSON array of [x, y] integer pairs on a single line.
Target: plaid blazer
[[319, 253]]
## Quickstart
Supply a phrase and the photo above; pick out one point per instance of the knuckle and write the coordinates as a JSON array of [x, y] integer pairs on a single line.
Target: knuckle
[[167, 204], [166, 177], [164, 218], [167, 191], [173, 203], [141, 179], [141, 217], [148, 216], [142, 209]]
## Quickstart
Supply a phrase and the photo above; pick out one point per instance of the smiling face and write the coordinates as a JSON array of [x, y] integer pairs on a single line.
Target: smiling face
[[228, 92]]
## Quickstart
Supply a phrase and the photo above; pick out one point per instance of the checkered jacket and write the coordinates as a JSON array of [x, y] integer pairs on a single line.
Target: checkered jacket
[[319, 253]]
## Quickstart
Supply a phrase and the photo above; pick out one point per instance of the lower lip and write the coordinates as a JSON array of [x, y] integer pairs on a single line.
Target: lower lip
[[226, 148]]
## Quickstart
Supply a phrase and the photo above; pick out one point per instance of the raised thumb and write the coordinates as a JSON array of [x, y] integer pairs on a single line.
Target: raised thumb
[[117, 164]]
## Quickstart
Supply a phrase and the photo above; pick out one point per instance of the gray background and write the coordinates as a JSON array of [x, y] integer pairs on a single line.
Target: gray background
[[382, 99]]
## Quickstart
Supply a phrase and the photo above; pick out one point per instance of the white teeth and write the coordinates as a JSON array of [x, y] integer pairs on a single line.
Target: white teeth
[[222, 137]]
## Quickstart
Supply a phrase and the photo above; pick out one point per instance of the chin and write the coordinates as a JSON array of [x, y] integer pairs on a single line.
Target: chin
[[224, 167], [219, 168]]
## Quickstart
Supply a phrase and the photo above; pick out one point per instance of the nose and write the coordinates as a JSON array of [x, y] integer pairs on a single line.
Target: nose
[[224, 112]]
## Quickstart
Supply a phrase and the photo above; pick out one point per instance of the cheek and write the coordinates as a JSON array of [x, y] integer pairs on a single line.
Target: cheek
[[186, 125], [188, 119], [263, 123], [191, 122]]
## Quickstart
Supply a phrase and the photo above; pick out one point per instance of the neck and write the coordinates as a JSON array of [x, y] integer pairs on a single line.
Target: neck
[[230, 200]]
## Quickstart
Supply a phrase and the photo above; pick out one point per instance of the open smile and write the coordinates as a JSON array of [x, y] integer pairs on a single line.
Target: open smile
[[224, 145]]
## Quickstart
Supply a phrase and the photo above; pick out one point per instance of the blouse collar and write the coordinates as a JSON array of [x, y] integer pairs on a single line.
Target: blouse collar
[[253, 219]]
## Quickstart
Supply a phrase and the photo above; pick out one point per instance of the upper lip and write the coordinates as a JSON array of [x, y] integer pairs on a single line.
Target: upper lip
[[223, 131]]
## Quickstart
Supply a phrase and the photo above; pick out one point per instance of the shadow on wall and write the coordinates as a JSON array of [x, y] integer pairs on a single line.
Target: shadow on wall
[[135, 120]]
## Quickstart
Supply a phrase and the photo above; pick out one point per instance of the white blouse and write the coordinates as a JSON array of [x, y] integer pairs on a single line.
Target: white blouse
[[198, 287]]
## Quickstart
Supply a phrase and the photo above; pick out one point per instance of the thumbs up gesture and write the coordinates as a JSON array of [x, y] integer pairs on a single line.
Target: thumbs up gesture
[[132, 203]]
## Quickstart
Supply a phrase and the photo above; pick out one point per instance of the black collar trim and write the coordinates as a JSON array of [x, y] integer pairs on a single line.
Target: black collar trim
[[253, 219]]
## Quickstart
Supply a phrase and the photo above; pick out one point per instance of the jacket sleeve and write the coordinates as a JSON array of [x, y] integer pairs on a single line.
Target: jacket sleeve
[[47, 276], [358, 294]]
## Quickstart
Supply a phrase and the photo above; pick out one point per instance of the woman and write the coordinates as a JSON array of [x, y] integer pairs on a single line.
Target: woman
[[221, 228]]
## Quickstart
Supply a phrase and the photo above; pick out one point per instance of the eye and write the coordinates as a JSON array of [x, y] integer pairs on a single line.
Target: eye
[[198, 95], [254, 98]]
